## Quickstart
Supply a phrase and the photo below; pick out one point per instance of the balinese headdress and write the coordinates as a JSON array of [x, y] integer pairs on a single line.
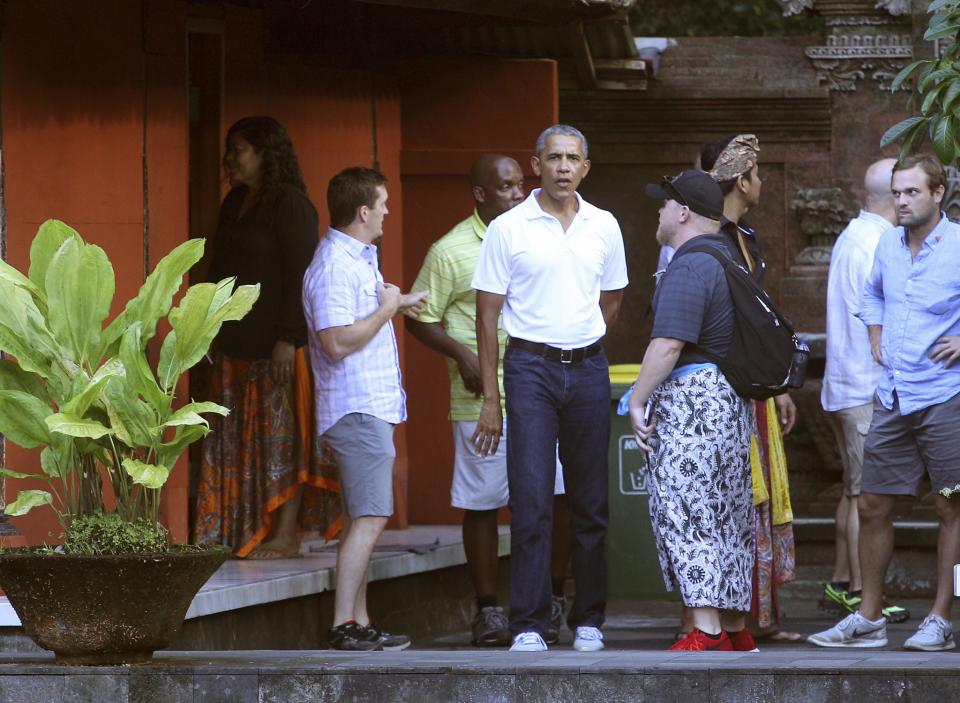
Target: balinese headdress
[[737, 158]]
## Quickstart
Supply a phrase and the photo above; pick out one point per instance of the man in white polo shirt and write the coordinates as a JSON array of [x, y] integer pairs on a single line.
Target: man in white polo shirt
[[555, 266]]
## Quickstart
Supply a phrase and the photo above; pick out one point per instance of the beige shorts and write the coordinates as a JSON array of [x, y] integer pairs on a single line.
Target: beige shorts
[[480, 482], [850, 427]]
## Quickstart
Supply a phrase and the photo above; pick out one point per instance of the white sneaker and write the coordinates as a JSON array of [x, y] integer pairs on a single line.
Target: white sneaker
[[853, 631], [528, 642], [588, 639], [934, 635]]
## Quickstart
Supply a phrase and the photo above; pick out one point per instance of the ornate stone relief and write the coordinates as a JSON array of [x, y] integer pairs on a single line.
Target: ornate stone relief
[[897, 8], [951, 199], [848, 58], [822, 214], [795, 7]]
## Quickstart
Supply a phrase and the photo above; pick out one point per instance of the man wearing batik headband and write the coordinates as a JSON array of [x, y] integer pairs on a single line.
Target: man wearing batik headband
[[733, 164]]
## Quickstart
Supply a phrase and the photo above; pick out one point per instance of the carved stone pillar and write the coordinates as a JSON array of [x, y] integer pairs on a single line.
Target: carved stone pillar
[[822, 214], [866, 41]]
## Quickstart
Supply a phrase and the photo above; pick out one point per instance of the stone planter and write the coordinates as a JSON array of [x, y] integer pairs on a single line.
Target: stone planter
[[104, 609]]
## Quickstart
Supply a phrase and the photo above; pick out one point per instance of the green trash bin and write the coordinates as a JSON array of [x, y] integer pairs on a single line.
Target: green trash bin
[[633, 570]]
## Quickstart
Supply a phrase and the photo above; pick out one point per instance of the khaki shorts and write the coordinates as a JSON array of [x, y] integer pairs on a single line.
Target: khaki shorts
[[363, 447], [850, 427], [901, 449]]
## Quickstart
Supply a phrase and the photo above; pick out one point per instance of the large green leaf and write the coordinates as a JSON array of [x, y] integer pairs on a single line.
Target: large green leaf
[[10, 473], [24, 332], [950, 97], [155, 296], [57, 458], [134, 421], [14, 277], [80, 285], [941, 135], [906, 72], [932, 96], [196, 321], [189, 414], [14, 378], [22, 419], [148, 475], [941, 31], [50, 236], [185, 436], [81, 401], [938, 4], [75, 426], [139, 376], [899, 130], [27, 501]]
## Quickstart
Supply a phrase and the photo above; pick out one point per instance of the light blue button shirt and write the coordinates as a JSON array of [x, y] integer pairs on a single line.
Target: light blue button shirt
[[917, 301]]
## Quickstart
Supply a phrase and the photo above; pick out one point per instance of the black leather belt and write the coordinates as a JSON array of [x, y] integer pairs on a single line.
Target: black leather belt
[[564, 356]]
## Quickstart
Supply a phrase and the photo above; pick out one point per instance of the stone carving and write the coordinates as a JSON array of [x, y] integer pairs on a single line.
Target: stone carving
[[848, 58], [822, 214], [795, 7], [951, 199], [897, 8]]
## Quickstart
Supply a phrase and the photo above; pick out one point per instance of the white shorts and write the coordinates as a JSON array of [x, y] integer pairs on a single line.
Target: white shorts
[[480, 483]]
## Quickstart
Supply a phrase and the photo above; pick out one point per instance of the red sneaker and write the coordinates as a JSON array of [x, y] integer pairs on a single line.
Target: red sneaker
[[742, 641], [697, 641]]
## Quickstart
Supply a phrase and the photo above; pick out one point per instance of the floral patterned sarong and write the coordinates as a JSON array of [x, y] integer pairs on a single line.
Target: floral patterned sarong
[[255, 459], [701, 499]]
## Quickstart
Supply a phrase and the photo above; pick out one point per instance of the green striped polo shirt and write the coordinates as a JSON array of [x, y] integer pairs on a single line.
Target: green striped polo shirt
[[446, 273]]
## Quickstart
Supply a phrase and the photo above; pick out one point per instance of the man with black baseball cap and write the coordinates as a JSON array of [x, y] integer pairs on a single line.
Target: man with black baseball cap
[[693, 425]]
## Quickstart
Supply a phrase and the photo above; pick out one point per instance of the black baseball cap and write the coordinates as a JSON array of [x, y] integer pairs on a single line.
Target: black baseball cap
[[695, 189]]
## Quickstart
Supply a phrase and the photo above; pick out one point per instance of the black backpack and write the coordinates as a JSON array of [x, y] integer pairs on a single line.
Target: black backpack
[[765, 358]]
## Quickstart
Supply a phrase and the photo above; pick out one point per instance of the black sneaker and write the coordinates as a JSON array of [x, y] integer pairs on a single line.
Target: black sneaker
[[350, 637], [490, 627], [388, 642], [558, 605]]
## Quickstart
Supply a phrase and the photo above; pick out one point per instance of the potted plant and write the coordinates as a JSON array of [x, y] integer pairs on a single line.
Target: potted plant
[[87, 394]]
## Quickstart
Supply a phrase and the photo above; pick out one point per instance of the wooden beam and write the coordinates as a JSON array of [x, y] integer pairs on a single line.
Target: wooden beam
[[583, 59]]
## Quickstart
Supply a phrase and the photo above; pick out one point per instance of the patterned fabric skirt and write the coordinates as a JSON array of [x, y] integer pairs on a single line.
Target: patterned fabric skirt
[[258, 457], [775, 550], [701, 500]]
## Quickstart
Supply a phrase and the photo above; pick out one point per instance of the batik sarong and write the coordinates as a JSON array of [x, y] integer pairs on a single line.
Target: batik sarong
[[775, 553], [701, 498], [258, 457]]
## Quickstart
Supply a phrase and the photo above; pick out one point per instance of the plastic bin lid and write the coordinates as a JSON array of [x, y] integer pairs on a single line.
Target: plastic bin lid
[[624, 374]]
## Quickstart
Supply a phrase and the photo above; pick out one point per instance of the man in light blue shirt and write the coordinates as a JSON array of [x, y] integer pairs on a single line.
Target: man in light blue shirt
[[911, 306]]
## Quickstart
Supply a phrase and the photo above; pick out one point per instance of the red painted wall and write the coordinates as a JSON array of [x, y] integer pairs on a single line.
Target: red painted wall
[[468, 107]]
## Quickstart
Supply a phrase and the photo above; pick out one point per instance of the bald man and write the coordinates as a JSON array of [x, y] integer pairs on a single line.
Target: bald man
[[851, 373], [447, 324]]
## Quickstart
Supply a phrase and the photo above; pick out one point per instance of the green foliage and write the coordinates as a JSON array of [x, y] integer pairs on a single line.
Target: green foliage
[[108, 534], [86, 392], [734, 18], [936, 92]]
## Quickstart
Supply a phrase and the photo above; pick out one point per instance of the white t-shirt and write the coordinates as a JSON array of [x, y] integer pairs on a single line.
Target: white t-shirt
[[851, 374], [552, 279]]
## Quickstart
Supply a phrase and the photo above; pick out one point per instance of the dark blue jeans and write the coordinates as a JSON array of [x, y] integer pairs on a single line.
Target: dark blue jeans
[[546, 401]]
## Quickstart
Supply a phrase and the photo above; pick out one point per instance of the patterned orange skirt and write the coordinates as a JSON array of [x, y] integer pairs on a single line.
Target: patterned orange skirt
[[258, 457]]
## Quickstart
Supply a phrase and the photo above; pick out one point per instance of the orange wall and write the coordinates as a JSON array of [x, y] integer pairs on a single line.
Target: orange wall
[[73, 139], [73, 126], [468, 107]]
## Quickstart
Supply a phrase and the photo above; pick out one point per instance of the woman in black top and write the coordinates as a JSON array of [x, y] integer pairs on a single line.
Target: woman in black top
[[256, 460]]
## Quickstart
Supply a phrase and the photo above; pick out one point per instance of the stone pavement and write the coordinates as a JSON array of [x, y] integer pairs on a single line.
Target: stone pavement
[[635, 667]]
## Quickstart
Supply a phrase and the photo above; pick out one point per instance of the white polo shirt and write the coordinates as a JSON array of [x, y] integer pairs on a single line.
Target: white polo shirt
[[851, 374], [552, 279]]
